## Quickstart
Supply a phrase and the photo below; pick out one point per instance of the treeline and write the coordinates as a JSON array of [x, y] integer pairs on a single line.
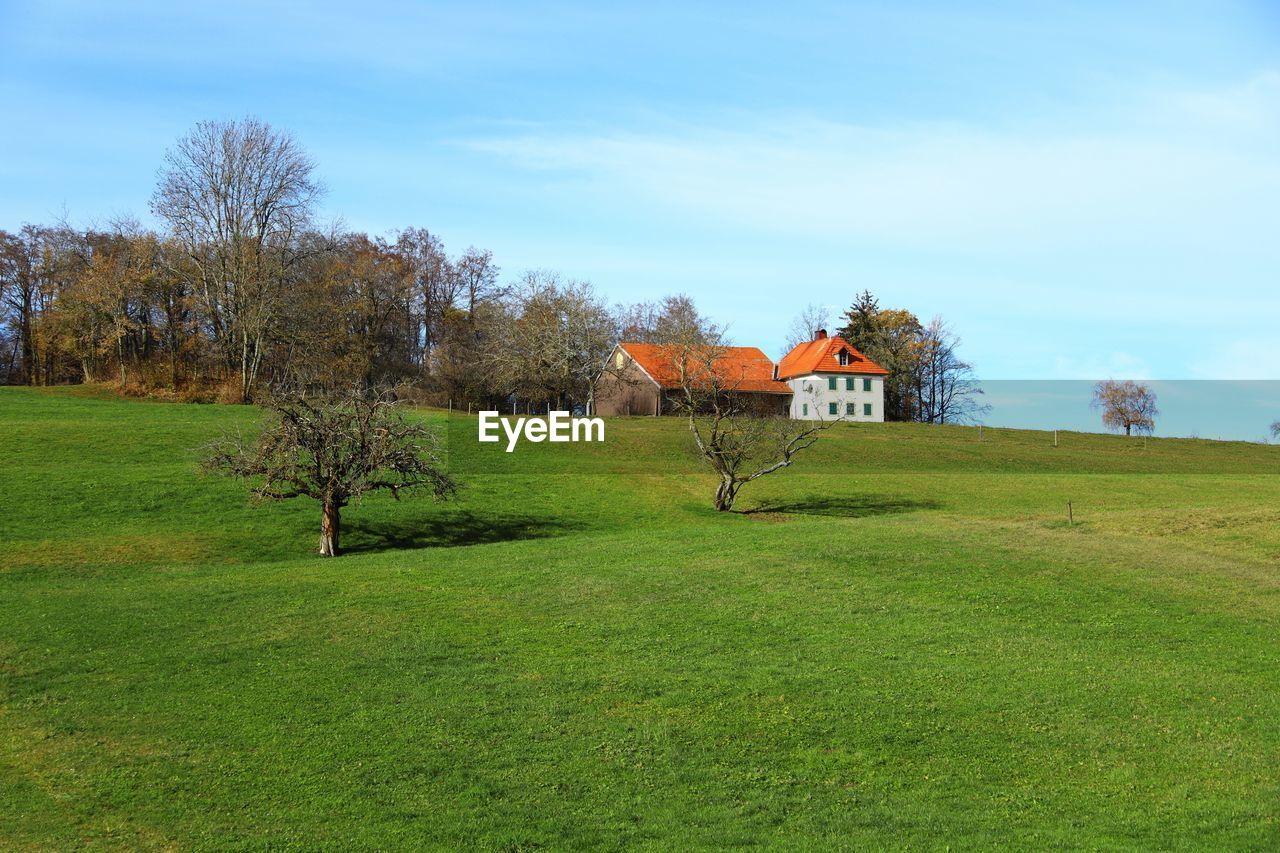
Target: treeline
[[243, 292], [129, 306]]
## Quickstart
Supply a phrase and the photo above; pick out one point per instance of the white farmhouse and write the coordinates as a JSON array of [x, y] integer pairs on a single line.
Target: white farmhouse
[[831, 380]]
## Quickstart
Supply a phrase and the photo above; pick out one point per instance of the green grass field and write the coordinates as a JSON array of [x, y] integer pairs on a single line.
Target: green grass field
[[907, 646]]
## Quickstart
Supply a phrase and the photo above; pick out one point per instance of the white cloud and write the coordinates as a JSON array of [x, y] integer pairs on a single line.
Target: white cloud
[[1243, 358], [1094, 366], [1185, 170]]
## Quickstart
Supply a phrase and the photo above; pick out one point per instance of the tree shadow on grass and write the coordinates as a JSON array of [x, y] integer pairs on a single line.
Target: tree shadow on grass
[[453, 530], [856, 506]]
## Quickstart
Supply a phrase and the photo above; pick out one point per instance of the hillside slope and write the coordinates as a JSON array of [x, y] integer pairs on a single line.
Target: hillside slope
[[904, 643]]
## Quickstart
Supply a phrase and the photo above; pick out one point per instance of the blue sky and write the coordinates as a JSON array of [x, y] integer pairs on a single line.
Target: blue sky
[[1083, 190]]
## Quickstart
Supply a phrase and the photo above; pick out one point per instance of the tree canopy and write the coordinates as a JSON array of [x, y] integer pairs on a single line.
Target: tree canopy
[[1126, 405]]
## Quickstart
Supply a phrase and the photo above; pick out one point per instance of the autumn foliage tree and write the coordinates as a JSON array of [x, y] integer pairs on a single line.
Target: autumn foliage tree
[[555, 339], [1127, 405], [334, 450]]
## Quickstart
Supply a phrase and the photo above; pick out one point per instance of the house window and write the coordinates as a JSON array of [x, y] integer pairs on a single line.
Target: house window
[[866, 409], [866, 383], [848, 383], [849, 409], [806, 410], [833, 408], [620, 360], [831, 383], [843, 358]]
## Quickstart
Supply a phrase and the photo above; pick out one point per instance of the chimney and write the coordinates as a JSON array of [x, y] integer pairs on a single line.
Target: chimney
[[819, 335]]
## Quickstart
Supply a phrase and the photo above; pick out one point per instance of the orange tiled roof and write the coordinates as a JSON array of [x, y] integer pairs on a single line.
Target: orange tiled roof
[[742, 368], [822, 356]]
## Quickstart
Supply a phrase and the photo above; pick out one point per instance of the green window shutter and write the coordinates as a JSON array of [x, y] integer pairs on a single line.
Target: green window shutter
[[848, 408], [831, 383], [866, 409], [866, 384], [848, 383], [832, 408], [806, 410]]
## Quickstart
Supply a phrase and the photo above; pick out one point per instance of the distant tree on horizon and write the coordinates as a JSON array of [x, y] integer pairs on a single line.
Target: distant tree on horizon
[[1127, 405], [1275, 429]]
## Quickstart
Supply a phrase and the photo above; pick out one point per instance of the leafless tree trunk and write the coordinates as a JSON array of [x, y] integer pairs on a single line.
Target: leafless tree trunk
[[330, 528]]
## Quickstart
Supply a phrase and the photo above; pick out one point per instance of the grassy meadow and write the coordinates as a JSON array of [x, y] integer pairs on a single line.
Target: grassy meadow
[[900, 643]]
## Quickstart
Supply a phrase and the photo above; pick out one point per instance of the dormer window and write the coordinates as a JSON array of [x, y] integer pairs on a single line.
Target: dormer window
[[843, 358]]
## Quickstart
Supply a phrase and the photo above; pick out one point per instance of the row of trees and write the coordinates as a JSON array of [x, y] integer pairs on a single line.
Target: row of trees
[[244, 289], [928, 381]]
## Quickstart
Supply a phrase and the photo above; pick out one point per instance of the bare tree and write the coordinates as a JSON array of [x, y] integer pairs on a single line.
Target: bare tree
[[335, 450], [675, 319], [733, 434], [436, 285], [477, 277], [946, 389], [559, 336], [806, 323], [680, 322], [1126, 405], [1275, 429], [19, 283], [237, 194], [636, 322]]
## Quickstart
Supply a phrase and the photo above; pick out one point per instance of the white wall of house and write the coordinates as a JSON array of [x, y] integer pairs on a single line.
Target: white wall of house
[[813, 397]]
